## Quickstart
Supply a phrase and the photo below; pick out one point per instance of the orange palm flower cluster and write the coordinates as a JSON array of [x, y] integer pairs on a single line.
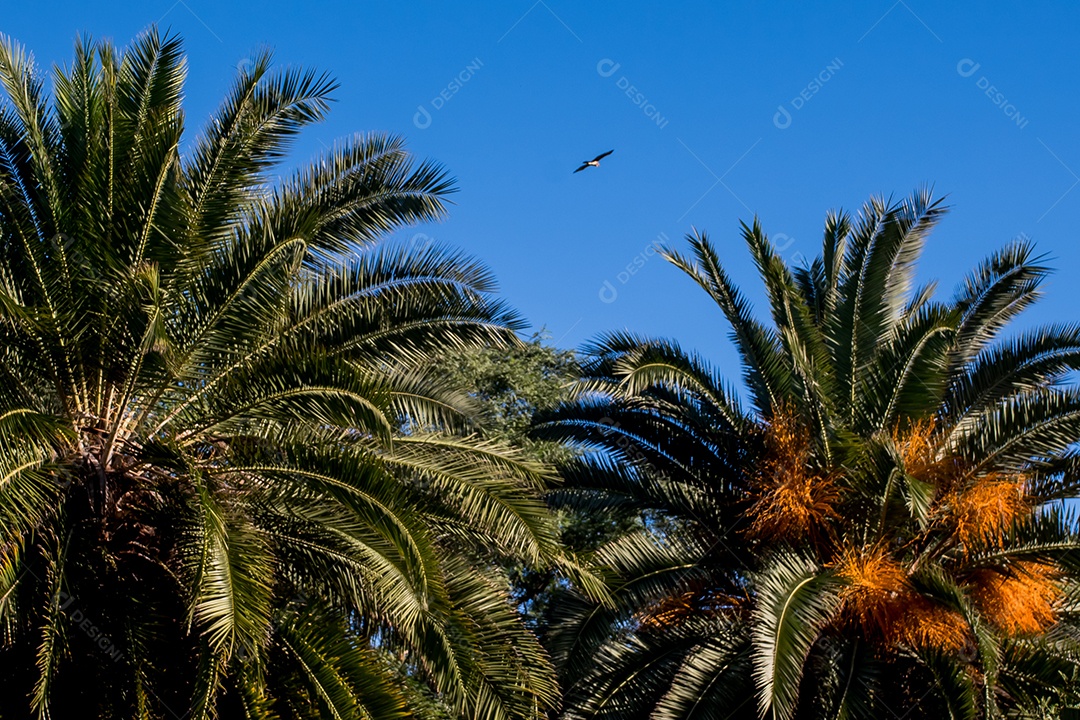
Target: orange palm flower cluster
[[918, 452], [1018, 602], [790, 499], [931, 625], [881, 600], [793, 501], [876, 581], [979, 511], [976, 509], [986, 509]]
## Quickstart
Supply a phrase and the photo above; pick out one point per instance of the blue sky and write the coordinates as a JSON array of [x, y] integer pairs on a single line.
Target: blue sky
[[716, 112]]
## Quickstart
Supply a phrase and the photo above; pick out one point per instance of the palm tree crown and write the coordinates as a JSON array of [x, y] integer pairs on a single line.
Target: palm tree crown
[[885, 516], [229, 484]]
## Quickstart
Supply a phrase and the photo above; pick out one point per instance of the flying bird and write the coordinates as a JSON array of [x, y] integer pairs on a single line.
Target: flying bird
[[595, 162]]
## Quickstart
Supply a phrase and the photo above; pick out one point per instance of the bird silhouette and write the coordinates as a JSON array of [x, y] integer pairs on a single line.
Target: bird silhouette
[[595, 162]]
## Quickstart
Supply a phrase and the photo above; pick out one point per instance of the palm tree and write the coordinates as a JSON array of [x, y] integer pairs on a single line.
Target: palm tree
[[229, 484], [880, 531]]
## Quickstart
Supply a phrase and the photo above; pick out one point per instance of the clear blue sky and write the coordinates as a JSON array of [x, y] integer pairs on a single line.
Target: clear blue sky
[[877, 97]]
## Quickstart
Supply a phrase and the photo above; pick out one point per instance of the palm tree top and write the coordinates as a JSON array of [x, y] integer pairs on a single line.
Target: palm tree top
[[890, 498], [221, 440]]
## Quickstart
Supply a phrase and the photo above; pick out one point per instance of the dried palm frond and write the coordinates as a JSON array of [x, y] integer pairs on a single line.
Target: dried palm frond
[[674, 609]]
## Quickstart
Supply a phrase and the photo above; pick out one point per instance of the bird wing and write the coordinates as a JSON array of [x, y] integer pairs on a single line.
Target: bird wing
[[602, 156], [581, 168]]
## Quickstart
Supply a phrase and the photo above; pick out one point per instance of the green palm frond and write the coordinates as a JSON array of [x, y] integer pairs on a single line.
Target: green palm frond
[[998, 290], [710, 683], [796, 602], [878, 270], [768, 373], [1032, 361]]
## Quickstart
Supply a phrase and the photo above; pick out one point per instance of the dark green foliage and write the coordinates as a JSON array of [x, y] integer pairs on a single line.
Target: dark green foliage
[[509, 387]]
